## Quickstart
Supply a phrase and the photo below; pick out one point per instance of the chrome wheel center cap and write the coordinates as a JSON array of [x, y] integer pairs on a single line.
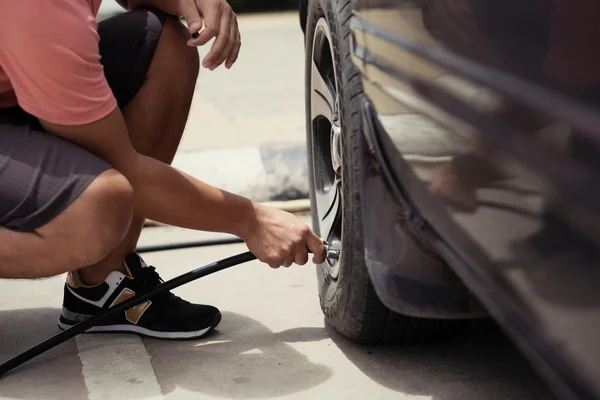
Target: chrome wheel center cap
[[336, 150]]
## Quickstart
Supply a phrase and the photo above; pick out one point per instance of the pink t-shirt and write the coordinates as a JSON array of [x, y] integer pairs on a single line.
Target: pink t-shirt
[[50, 61]]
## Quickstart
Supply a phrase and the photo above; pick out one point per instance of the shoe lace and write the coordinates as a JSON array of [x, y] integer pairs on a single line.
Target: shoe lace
[[150, 276], [150, 279]]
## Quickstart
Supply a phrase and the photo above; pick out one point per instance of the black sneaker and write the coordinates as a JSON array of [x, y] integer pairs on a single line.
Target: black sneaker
[[164, 316]]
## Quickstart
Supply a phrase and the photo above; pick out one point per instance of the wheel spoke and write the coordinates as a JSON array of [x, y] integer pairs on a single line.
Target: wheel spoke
[[328, 208], [322, 97]]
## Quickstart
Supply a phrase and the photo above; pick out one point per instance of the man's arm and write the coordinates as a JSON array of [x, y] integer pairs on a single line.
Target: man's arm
[[167, 195], [162, 193]]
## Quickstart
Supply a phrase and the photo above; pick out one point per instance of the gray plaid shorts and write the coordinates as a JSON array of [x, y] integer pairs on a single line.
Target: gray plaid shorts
[[41, 174]]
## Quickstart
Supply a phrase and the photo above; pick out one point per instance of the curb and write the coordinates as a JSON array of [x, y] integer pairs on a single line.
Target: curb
[[275, 175], [272, 172]]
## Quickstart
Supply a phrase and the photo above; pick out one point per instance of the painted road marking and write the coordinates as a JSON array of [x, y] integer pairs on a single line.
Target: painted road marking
[[117, 367]]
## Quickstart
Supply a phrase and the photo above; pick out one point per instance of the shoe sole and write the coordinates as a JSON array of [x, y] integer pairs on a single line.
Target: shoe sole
[[124, 328]]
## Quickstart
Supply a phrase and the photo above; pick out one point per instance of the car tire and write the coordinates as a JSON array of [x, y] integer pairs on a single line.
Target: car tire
[[347, 296]]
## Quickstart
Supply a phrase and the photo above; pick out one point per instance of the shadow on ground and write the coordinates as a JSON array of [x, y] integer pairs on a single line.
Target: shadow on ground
[[245, 359], [54, 375], [479, 364]]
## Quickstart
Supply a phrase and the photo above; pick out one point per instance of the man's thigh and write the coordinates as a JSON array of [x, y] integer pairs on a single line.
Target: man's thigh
[[40, 173]]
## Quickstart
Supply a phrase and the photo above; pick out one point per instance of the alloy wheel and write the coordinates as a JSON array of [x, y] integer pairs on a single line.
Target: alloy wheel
[[326, 134]]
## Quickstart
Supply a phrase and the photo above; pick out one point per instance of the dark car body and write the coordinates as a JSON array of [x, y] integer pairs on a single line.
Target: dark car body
[[482, 130]]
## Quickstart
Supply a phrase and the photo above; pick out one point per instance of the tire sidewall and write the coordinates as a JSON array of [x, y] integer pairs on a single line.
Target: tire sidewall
[[335, 293]]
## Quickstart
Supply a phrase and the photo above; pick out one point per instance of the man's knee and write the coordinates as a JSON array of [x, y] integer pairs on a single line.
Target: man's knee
[[100, 218], [108, 203], [183, 61]]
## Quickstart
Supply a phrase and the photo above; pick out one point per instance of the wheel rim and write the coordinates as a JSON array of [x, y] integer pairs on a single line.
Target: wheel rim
[[326, 134]]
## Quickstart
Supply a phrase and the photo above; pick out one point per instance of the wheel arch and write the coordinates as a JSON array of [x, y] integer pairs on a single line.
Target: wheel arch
[[407, 274], [303, 12]]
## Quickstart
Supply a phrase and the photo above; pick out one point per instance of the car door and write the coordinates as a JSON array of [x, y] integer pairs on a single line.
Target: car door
[[488, 117]]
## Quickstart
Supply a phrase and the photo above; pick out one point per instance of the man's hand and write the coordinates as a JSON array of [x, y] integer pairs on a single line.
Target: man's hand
[[278, 238], [219, 22]]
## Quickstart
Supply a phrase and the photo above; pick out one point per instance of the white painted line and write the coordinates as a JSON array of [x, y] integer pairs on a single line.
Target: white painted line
[[117, 367]]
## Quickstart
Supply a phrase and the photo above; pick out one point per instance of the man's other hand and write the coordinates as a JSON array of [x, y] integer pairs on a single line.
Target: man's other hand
[[219, 22]]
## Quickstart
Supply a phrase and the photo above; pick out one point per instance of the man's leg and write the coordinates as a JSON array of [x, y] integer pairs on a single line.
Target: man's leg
[[156, 118], [99, 215], [60, 206], [152, 72]]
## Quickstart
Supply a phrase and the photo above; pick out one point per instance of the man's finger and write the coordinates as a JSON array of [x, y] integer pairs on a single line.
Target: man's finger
[[287, 262], [232, 39], [211, 10], [216, 56], [301, 254], [235, 53], [192, 17], [317, 247], [235, 49]]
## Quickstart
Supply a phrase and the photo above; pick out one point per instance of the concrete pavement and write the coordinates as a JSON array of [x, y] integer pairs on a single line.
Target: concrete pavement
[[272, 344]]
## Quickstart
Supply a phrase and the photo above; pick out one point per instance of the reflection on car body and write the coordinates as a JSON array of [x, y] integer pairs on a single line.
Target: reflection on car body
[[484, 113]]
